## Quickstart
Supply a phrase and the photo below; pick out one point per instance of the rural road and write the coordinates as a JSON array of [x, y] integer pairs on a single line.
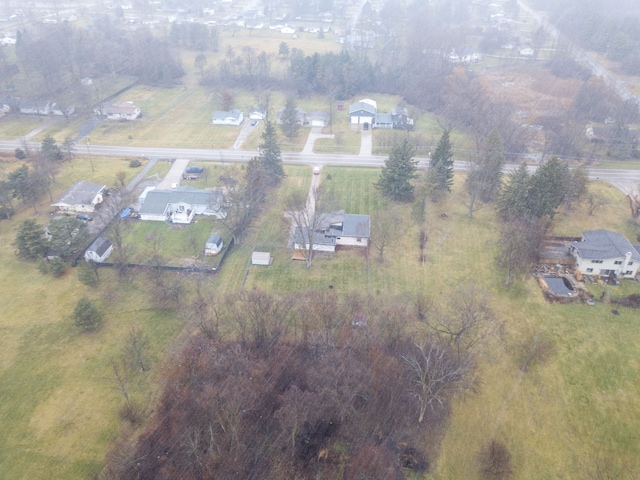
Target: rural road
[[625, 179]]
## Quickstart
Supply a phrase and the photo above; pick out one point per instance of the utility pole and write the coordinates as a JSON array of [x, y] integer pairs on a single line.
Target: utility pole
[[86, 140]]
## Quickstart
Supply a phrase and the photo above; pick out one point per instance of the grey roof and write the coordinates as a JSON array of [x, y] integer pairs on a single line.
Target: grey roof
[[223, 114], [157, 200], [356, 226], [384, 118], [83, 192], [362, 106], [604, 244], [301, 235], [100, 245], [215, 239]]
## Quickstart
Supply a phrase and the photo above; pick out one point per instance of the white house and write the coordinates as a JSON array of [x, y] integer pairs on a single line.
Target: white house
[[605, 253], [363, 112], [83, 196], [99, 250], [121, 111], [181, 204], [35, 107], [231, 117], [335, 229], [526, 51], [258, 114], [214, 245]]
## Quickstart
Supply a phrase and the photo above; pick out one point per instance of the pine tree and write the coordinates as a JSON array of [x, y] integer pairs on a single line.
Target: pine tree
[[50, 149], [440, 172], [270, 154], [289, 118], [30, 240], [399, 170], [512, 200], [547, 188]]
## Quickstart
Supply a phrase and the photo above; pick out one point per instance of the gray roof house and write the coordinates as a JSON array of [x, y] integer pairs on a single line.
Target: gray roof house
[[180, 205], [335, 229], [83, 196], [605, 253], [363, 111], [231, 117], [120, 111], [99, 250]]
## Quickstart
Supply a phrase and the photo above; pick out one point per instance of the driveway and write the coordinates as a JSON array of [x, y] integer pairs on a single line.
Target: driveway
[[174, 175], [314, 134], [366, 143], [244, 133]]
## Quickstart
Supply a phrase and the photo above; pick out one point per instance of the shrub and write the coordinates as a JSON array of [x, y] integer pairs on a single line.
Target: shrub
[[134, 163], [57, 266], [43, 266], [86, 315], [495, 461]]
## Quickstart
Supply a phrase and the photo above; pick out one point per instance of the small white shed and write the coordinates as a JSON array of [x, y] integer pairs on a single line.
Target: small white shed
[[214, 245], [261, 258], [99, 250]]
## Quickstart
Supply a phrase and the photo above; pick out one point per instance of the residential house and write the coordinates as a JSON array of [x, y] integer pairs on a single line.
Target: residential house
[[37, 107], [526, 51], [258, 114], [81, 197], [214, 245], [181, 204], [231, 117], [363, 112], [121, 111], [288, 29], [466, 55], [605, 253], [99, 250], [301, 114], [334, 229], [383, 120], [401, 120], [318, 119]]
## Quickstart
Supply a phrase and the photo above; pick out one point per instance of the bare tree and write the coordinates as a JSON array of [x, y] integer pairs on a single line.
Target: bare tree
[[494, 461], [438, 374], [520, 241], [307, 219], [386, 224], [135, 349]]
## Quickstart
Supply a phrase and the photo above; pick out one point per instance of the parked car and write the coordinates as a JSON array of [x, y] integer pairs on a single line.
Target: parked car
[[84, 217], [316, 171], [254, 123]]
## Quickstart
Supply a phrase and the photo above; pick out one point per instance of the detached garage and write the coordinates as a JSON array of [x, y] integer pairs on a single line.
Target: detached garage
[[261, 258]]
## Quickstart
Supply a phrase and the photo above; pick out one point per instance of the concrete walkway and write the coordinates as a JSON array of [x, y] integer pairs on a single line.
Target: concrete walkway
[[314, 134], [174, 175], [243, 134]]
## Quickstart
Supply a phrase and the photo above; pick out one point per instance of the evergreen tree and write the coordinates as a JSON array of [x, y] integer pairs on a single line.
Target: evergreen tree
[[68, 235], [86, 315], [512, 200], [484, 179], [546, 192], [440, 172], [30, 240], [270, 154], [290, 122], [399, 170], [576, 187], [50, 150]]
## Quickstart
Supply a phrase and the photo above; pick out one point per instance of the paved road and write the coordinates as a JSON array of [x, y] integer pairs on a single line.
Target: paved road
[[616, 177]]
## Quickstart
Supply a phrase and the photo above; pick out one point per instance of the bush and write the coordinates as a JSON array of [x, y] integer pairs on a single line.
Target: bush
[[87, 274], [57, 266], [43, 266], [86, 315], [134, 163]]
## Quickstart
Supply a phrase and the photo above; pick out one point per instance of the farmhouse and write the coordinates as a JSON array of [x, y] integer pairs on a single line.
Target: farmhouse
[[98, 251], [231, 117], [83, 196], [605, 253], [121, 111], [180, 205]]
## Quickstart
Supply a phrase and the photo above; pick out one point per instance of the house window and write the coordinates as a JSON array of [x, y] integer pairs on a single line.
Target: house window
[[630, 263], [596, 261], [618, 262], [629, 272], [589, 270]]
